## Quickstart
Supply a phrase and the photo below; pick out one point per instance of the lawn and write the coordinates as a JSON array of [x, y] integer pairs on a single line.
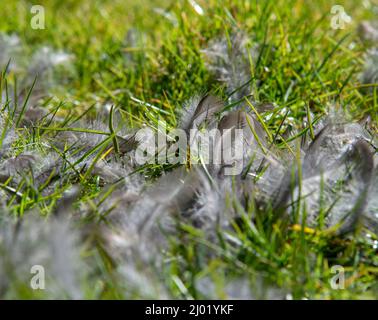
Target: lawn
[[74, 202]]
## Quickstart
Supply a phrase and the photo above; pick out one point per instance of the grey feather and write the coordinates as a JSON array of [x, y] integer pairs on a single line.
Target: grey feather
[[199, 111]]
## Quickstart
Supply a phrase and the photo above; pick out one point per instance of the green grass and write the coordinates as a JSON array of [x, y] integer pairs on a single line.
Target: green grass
[[304, 66]]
